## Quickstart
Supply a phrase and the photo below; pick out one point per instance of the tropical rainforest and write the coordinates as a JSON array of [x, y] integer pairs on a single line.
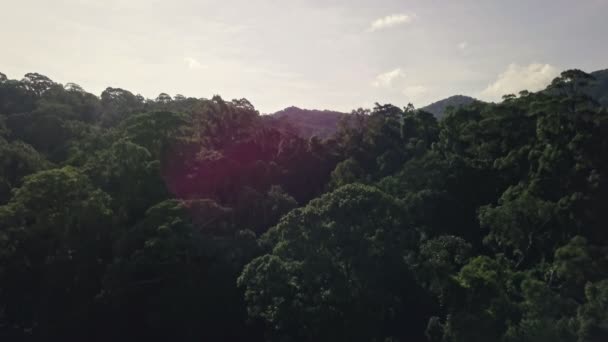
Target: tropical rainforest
[[189, 219]]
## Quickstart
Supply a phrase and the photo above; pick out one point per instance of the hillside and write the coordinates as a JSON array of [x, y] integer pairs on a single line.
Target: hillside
[[438, 108], [305, 122], [598, 88], [192, 219]]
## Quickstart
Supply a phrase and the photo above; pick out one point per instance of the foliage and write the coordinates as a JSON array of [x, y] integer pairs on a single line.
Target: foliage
[[189, 219], [337, 271]]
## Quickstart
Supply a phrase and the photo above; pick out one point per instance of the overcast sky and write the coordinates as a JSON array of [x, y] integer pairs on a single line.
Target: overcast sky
[[324, 54]]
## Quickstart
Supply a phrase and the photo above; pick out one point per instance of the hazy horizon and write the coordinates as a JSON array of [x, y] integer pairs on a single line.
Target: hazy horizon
[[335, 55]]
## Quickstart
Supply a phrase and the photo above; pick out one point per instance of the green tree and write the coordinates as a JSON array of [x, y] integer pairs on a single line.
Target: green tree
[[593, 315], [523, 225], [37, 83], [156, 131], [346, 172], [482, 303], [337, 271], [130, 175], [17, 160], [118, 104], [54, 240]]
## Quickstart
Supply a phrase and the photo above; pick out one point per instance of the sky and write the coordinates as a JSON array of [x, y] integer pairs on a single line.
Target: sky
[[317, 54]]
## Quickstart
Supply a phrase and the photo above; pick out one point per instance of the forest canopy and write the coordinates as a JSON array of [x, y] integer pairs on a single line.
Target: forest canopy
[[191, 219]]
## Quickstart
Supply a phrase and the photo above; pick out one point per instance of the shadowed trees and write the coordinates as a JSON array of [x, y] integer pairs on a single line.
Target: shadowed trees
[[189, 219]]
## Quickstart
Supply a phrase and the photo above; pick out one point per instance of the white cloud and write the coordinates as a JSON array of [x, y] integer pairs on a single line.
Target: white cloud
[[463, 45], [532, 77], [193, 63], [387, 79], [390, 21]]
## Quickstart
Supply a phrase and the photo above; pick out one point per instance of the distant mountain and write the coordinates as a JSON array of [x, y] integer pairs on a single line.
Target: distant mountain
[[306, 122], [598, 88], [324, 123], [438, 108]]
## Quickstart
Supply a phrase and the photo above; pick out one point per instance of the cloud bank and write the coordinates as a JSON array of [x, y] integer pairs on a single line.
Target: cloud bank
[[532, 77]]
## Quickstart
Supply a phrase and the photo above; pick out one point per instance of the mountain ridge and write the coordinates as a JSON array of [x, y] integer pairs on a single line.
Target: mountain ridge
[[307, 123], [438, 108]]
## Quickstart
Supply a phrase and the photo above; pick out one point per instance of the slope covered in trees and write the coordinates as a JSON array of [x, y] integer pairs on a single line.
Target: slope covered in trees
[[439, 108], [306, 123], [598, 87], [185, 219]]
